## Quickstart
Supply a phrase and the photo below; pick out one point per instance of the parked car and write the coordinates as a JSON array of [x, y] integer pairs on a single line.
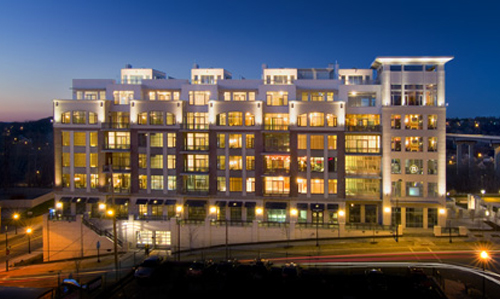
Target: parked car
[[149, 268], [376, 280]]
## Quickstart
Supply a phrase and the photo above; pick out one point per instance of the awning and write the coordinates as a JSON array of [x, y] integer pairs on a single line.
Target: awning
[[235, 204], [118, 201], [317, 207], [65, 199], [220, 204], [302, 206], [170, 202], [141, 201], [155, 201], [195, 203], [79, 199], [276, 205], [250, 204], [93, 200], [332, 207]]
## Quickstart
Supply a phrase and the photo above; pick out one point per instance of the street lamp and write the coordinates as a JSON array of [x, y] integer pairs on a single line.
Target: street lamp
[[178, 215], [484, 258], [28, 232], [16, 217], [112, 214]]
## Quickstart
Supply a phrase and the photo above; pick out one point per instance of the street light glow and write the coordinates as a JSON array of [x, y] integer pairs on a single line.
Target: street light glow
[[484, 255], [29, 230], [15, 216]]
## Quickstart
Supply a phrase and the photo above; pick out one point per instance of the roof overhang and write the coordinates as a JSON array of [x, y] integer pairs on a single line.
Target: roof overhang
[[410, 60]]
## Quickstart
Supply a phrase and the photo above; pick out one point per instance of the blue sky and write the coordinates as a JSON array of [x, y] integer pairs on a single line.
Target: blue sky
[[46, 44]]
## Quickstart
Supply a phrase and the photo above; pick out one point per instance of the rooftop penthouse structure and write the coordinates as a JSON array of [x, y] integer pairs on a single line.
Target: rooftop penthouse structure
[[328, 148]]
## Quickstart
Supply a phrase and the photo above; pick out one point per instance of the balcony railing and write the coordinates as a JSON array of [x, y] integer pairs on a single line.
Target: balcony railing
[[120, 125], [196, 147], [276, 127], [372, 128], [195, 126]]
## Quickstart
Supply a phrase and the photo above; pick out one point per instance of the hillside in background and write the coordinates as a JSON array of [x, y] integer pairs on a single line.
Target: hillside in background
[[26, 157]]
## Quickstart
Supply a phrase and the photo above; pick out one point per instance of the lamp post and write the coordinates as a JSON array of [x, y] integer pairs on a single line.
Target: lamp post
[[484, 258], [112, 214], [16, 217], [6, 251], [178, 210], [28, 232]]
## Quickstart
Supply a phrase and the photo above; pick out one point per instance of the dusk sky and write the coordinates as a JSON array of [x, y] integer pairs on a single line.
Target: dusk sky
[[46, 44]]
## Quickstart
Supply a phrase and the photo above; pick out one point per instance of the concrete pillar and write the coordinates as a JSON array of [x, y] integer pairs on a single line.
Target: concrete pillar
[[497, 159]]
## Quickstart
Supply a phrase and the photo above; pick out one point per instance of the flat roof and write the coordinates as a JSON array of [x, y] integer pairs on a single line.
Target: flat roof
[[410, 60]]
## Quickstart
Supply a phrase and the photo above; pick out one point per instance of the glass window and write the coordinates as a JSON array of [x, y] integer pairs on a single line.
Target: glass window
[[414, 122], [221, 140], [414, 217], [79, 117], [332, 142], [235, 118], [317, 119], [171, 140], [363, 165], [432, 144], [317, 164], [302, 186], [331, 120], [317, 142], [221, 162], [414, 144], [157, 182], [332, 186], [249, 141], [396, 144], [432, 122], [156, 117], [317, 186], [362, 143], [414, 166], [235, 184], [276, 121], [199, 98], [276, 185], [235, 163], [277, 98], [156, 139], [156, 161], [79, 139], [302, 120], [432, 166], [172, 182], [414, 189], [396, 166], [432, 189], [221, 184], [302, 141], [249, 119], [235, 141], [250, 185], [221, 119], [363, 187], [395, 121], [250, 163]]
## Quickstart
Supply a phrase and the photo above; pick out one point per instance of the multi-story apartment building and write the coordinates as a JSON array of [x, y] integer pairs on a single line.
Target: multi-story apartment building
[[302, 149]]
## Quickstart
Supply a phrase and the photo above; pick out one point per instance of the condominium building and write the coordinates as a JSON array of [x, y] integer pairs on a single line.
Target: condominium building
[[299, 152]]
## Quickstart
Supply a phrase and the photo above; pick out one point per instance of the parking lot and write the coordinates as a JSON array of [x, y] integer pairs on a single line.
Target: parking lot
[[228, 278]]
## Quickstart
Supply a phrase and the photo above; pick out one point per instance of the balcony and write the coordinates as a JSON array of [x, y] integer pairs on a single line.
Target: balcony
[[194, 147], [276, 127], [115, 125], [195, 126], [368, 128]]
